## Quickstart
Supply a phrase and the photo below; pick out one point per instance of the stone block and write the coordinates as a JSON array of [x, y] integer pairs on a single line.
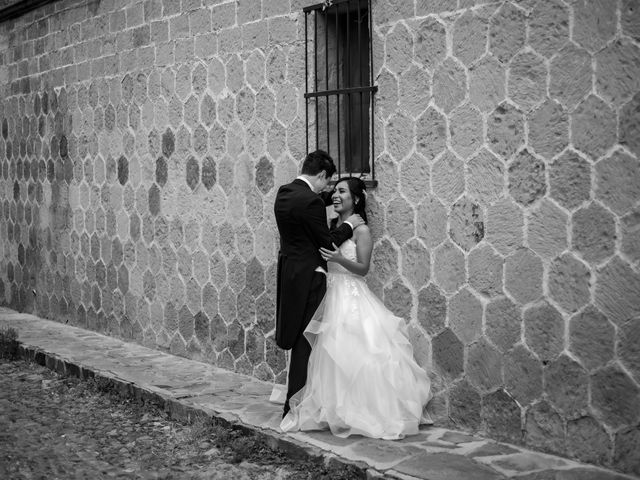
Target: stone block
[[265, 312], [414, 91], [544, 330], [399, 299], [615, 397], [416, 263], [255, 282], [432, 309], [246, 308], [547, 229], [218, 332], [465, 316], [227, 304], [399, 134], [465, 130], [501, 415], [484, 268], [566, 385], [548, 27], [168, 143], [527, 182], [626, 448], [591, 338], [449, 85], [469, 37], [485, 177], [400, 220], [617, 291], [618, 182], [286, 103], [487, 83], [593, 233], [236, 339], [385, 260], [449, 267], [595, 23], [523, 275], [387, 98], [448, 354], [414, 178], [544, 428], [504, 226], [430, 42], [484, 365], [593, 127], [505, 130], [588, 441], [464, 405], [527, 80], [570, 75], [618, 71], [569, 282], [430, 133], [522, 375], [548, 129], [570, 180], [447, 178], [466, 225], [398, 48], [149, 285], [507, 32]]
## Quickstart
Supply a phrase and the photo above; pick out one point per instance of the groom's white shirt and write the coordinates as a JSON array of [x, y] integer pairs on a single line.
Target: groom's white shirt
[[318, 269]]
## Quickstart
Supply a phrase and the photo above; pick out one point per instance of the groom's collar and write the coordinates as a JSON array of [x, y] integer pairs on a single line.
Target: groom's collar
[[304, 179]]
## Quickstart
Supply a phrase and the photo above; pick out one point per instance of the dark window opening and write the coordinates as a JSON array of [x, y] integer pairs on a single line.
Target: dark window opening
[[339, 93]]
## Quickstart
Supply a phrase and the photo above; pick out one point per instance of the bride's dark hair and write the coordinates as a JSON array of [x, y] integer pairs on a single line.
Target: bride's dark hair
[[358, 191]]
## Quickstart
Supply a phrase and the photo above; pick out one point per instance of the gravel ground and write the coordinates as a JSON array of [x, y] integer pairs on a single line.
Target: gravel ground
[[54, 427]]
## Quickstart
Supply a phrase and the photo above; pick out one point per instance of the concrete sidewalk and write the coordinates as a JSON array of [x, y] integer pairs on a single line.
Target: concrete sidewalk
[[186, 388]]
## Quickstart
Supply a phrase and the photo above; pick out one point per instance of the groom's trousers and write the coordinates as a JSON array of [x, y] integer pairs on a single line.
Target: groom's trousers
[[301, 349]]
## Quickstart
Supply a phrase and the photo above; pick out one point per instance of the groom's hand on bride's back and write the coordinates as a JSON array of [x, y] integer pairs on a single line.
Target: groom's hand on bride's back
[[355, 221]]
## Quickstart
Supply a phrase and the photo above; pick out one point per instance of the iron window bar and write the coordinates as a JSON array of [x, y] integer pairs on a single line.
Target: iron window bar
[[342, 96]]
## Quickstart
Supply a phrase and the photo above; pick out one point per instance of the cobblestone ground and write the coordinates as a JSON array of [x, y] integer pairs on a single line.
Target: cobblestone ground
[[60, 427]]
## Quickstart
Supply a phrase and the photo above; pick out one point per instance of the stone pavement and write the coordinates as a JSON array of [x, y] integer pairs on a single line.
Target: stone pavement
[[186, 388]]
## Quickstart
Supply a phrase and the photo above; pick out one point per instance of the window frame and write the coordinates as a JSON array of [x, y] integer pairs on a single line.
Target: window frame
[[364, 88]]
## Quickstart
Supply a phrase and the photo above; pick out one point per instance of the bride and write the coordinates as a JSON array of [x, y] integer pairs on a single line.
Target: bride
[[362, 377]]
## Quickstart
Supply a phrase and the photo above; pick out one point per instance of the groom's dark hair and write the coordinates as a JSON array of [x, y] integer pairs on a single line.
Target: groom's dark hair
[[318, 161]]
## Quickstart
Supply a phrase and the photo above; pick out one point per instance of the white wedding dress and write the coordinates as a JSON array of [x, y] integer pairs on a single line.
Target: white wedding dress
[[362, 377]]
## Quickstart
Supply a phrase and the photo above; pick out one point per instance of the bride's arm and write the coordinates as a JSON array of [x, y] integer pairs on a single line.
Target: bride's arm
[[364, 246]]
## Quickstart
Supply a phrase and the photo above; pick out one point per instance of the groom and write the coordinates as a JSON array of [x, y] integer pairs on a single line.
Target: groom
[[302, 223]]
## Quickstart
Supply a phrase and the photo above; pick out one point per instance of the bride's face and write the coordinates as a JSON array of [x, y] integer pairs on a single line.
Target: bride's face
[[342, 200]]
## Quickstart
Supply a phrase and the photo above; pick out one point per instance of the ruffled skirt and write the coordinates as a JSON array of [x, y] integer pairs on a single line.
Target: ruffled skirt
[[362, 377]]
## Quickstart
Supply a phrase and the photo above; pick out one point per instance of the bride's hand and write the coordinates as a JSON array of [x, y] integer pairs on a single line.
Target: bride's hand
[[331, 255]]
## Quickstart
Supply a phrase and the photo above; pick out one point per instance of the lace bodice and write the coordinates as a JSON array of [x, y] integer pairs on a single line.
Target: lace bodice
[[348, 250]]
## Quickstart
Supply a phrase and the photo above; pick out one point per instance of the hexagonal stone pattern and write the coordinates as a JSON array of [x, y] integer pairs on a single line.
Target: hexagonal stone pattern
[[591, 338], [570, 180], [569, 282], [136, 193], [618, 181], [523, 275], [544, 330], [523, 375], [566, 385], [615, 397], [593, 233]]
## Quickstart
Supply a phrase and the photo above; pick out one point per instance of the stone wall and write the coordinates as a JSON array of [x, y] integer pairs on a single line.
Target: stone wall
[[142, 144]]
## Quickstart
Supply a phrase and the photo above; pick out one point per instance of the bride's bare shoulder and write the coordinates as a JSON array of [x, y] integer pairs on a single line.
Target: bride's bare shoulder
[[362, 231]]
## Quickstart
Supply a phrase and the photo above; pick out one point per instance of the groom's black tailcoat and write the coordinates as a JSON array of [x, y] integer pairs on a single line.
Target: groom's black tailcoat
[[302, 223]]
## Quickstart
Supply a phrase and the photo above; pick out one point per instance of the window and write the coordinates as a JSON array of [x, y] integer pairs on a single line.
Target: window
[[339, 90]]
